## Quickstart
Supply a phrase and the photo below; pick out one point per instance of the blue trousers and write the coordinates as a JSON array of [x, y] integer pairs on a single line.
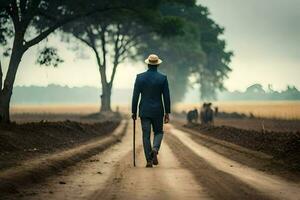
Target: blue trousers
[[157, 125]]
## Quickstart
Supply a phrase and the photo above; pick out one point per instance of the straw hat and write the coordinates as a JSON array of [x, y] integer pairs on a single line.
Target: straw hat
[[153, 60]]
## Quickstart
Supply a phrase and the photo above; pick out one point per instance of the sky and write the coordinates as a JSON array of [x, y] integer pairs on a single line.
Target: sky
[[264, 36]]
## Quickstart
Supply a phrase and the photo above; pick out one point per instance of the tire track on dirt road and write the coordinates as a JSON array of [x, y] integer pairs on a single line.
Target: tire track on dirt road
[[169, 180], [219, 185], [235, 178]]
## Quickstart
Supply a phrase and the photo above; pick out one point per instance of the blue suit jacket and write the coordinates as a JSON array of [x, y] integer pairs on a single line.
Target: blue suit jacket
[[152, 86]]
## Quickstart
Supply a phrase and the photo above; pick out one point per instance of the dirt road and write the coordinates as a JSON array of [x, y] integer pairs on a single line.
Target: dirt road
[[187, 170]]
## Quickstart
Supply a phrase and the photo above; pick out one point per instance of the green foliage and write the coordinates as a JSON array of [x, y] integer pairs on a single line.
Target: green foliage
[[170, 26], [195, 51], [216, 65], [34, 20], [119, 35], [6, 33], [49, 57], [5, 30], [181, 56]]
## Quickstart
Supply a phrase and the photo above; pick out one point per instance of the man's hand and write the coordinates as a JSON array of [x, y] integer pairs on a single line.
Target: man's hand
[[166, 118], [133, 116]]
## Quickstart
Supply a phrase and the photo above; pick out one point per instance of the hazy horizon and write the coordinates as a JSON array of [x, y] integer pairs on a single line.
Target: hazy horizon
[[56, 94]]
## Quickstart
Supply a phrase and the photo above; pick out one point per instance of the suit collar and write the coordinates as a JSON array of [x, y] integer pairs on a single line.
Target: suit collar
[[152, 69]]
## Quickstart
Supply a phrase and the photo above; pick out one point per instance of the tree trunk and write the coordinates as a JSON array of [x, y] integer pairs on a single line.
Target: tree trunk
[[106, 98], [6, 91], [4, 108], [1, 76]]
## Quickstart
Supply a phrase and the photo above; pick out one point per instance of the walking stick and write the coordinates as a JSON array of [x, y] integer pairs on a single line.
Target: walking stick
[[134, 142]]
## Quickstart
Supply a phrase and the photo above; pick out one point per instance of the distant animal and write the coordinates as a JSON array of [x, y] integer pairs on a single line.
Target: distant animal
[[192, 116], [207, 114]]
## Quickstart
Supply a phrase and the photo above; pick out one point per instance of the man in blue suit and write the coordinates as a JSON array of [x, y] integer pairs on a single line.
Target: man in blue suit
[[154, 106]]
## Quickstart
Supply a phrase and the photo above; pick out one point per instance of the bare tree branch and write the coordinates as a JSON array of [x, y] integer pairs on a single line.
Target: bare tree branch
[[92, 36], [134, 37], [116, 57], [98, 58], [90, 41], [103, 45], [121, 47], [91, 45], [122, 58], [84, 41], [58, 24], [128, 46], [41, 36]]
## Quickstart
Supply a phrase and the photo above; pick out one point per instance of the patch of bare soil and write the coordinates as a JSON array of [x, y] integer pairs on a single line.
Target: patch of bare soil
[[283, 146], [23, 141], [242, 121], [217, 183], [56, 117], [259, 124]]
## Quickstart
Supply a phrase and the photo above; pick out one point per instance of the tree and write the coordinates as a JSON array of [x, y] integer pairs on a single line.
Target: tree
[[181, 55], [21, 19], [107, 39], [198, 52], [117, 38], [291, 93], [216, 65], [255, 88]]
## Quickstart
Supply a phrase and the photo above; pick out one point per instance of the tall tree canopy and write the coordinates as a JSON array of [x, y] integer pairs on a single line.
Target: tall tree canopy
[[197, 52]]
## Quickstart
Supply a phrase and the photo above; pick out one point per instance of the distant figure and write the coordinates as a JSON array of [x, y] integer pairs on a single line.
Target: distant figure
[[202, 113], [207, 114], [154, 106], [216, 111], [192, 116]]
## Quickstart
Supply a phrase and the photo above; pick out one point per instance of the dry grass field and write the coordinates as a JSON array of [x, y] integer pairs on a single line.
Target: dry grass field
[[54, 109], [266, 109], [63, 108], [59, 112]]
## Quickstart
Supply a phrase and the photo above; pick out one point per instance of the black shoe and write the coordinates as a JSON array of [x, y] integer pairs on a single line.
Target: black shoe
[[149, 164], [154, 157]]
